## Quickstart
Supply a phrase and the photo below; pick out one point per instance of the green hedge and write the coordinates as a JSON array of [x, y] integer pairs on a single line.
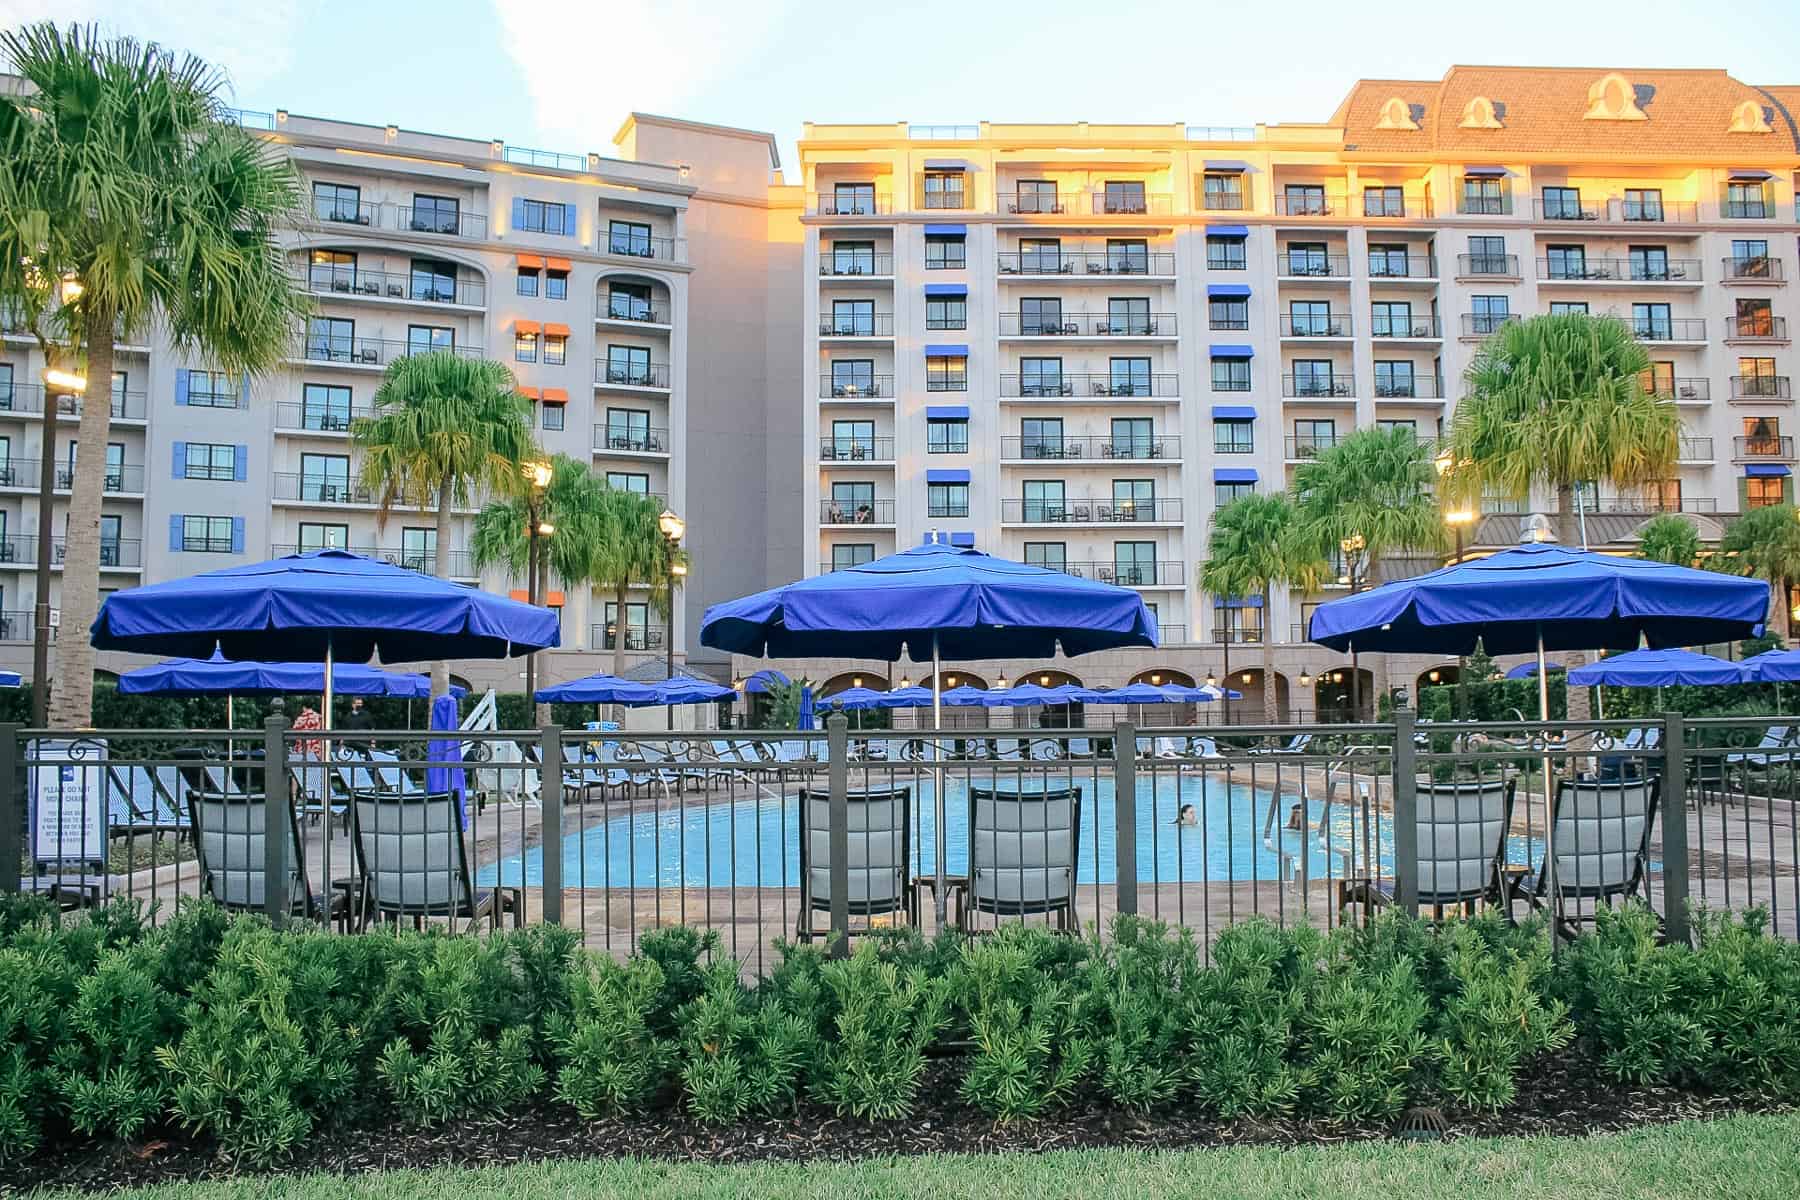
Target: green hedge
[[256, 1037]]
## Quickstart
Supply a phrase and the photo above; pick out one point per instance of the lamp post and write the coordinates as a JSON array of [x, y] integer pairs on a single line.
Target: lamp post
[[672, 527], [65, 383], [537, 478], [1352, 548]]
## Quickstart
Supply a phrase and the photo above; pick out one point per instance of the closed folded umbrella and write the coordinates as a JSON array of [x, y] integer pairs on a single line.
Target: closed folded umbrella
[[443, 752]]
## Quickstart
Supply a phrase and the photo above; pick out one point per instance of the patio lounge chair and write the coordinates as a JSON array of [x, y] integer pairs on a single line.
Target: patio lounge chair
[[1008, 750], [1296, 745], [1080, 747], [1601, 831], [229, 832], [879, 848], [1022, 853], [1462, 841], [410, 852], [1777, 746], [1045, 750]]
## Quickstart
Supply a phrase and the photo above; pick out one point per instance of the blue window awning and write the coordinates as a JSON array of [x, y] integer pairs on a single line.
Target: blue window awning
[[947, 412], [1228, 289], [962, 539], [946, 164], [946, 289], [1752, 173], [948, 230], [1227, 164], [1242, 231], [1485, 171], [948, 475], [946, 350], [1232, 350], [1234, 475], [1233, 412], [1765, 470]]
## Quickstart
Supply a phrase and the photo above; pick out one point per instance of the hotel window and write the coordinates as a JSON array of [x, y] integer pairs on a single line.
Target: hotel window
[[1753, 318], [1133, 437], [1762, 436], [1488, 313], [629, 302], [338, 202], [1388, 260], [554, 414], [1487, 256], [1304, 199], [418, 548], [331, 271], [206, 535], [946, 373], [1307, 258], [628, 365], [1395, 379], [1652, 321], [1648, 262], [1230, 374], [433, 280], [1127, 256], [527, 281], [628, 481], [1311, 318], [215, 389], [1566, 262], [318, 536], [6, 387], [322, 407], [851, 318], [1040, 256], [944, 189], [1236, 623], [1750, 259], [637, 625], [1763, 491], [1041, 437], [1125, 196], [1384, 202], [434, 214], [1042, 377], [1313, 377], [1389, 425], [1643, 204], [856, 258], [556, 349], [1039, 317], [545, 216], [525, 347], [325, 477], [1483, 195], [947, 500], [208, 460], [1226, 254], [1390, 318], [1134, 499], [946, 435], [329, 338], [1664, 496], [1129, 317], [1224, 493], [1223, 191], [851, 440], [1228, 312], [853, 200], [1134, 564], [1129, 377], [946, 252], [1563, 308], [1659, 380], [1052, 556], [629, 238], [1756, 377], [1312, 436], [1746, 198], [1036, 196], [946, 312], [852, 504], [1044, 500], [853, 555], [1234, 435], [1562, 204], [422, 339], [556, 284], [629, 429], [853, 377]]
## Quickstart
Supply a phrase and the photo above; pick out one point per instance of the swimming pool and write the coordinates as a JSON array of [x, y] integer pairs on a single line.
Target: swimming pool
[[754, 842]]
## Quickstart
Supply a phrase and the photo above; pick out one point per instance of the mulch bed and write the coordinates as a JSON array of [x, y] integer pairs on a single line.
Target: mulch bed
[[1565, 1096]]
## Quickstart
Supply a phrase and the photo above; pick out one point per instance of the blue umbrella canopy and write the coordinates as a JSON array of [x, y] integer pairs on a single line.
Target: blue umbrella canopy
[[10, 679], [305, 605], [1658, 668], [1543, 596], [853, 698], [760, 681], [907, 697], [1030, 693], [1528, 670], [218, 676], [963, 603], [967, 697], [600, 689], [1772, 666], [682, 690]]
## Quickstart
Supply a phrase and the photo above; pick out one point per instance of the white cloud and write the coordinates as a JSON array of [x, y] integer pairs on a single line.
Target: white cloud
[[587, 65], [252, 40]]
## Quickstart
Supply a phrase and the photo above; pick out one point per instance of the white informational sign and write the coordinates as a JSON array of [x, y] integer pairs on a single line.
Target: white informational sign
[[68, 800]]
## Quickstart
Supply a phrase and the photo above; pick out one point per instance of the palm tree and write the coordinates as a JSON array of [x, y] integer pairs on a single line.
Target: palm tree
[[1669, 539], [444, 430], [1554, 401], [1764, 544], [1367, 497], [1254, 546], [632, 551], [119, 171]]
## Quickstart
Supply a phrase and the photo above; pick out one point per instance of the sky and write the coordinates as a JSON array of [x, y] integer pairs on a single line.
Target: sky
[[562, 74]]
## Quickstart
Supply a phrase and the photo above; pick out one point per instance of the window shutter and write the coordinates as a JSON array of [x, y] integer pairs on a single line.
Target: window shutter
[[1787, 490], [518, 214], [175, 532], [237, 535], [244, 392], [569, 218], [181, 385], [241, 463], [180, 459], [1743, 494]]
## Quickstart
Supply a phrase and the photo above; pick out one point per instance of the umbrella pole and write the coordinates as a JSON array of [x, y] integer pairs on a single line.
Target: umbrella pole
[[937, 791], [1549, 873], [230, 724]]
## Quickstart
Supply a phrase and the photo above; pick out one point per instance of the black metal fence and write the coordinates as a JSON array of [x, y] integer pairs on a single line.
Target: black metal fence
[[768, 834]]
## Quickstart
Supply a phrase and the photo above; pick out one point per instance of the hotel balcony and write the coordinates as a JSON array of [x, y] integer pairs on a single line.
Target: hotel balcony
[[1690, 331], [1395, 268], [630, 244], [1753, 269], [638, 638], [1756, 329], [300, 417], [867, 325], [354, 283], [116, 554], [1099, 448], [1418, 328], [1312, 387], [462, 562], [1487, 266], [1103, 326], [1682, 272], [615, 439], [1335, 327], [1290, 266], [1647, 505], [1086, 204], [120, 479], [334, 211], [1082, 386], [1161, 574], [626, 310], [869, 450], [1035, 264], [447, 224], [1485, 206], [1761, 388], [363, 353], [1695, 450], [837, 513], [1304, 449], [1403, 387], [24, 399], [865, 387], [1100, 510], [1480, 325], [649, 376], [1747, 210], [1763, 449], [850, 204], [855, 264], [1695, 389], [1616, 211]]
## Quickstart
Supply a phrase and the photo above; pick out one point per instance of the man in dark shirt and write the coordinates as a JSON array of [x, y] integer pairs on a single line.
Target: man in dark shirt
[[358, 718]]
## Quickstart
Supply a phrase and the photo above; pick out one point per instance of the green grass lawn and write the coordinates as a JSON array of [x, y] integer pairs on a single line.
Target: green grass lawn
[[1743, 1158]]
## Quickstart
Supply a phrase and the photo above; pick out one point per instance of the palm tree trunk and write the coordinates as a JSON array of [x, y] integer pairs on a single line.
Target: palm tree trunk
[[1566, 525], [1271, 711], [1225, 676], [618, 666], [72, 705], [440, 670]]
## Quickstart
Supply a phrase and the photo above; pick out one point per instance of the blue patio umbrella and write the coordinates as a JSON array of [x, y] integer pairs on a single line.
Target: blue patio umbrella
[[760, 681], [219, 675], [1772, 666], [1657, 669], [682, 690], [1528, 670], [853, 699], [1021, 695], [967, 697], [10, 679], [907, 697], [599, 689], [443, 777]]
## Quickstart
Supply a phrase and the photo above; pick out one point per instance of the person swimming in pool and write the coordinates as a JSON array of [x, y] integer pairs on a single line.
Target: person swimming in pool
[[1187, 816]]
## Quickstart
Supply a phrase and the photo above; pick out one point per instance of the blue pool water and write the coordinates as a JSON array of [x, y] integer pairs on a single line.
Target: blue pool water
[[754, 842]]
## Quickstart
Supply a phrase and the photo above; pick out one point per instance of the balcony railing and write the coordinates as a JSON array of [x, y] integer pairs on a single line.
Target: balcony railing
[[1621, 270], [119, 478], [855, 264], [1223, 201], [1566, 210], [462, 562], [1759, 268], [1759, 327], [316, 489], [1658, 504], [554, 159], [1695, 449], [318, 418], [1097, 203], [856, 449], [836, 204], [1388, 325], [1224, 634], [1128, 574], [1412, 266], [627, 308], [1764, 447], [1408, 387], [346, 212], [1099, 325], [1313, 266], [1497, 266], [1654, 210], [1091, 385], [1333, 325], [29, 398], [1311, 204], [116, 554], [861, 326], [1100, 510], [1309, 387], [1091, 446], [18, 625], [646, 375], [1068, 262], [1761, 387], [1312, 445], [1688, 388], [368, 351], [640, 638], [1482, 324], [1747, 210], [856, 512], [866, 387], [393, 285], [625, 244], [433, 220], [639, 440], [1485, 206], [1673, 329]]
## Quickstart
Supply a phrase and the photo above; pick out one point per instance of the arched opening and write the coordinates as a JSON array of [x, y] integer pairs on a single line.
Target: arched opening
[[1161, 715], [1332, 691], [1252, 709], [872, 680], [1047, 716], [955, 716]]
